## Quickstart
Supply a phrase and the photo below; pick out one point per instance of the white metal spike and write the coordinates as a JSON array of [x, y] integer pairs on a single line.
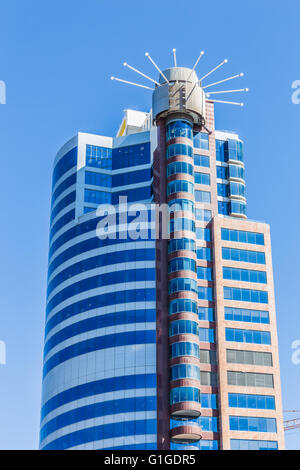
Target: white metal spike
[[156, 66], [225, 80], [213, 70], [131, 83], [196, 63], [227, 102], [226, 91], [140, 73], [174, 57]]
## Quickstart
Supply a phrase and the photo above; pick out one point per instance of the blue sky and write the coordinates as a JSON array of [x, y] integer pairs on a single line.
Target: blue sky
[[56, 59]]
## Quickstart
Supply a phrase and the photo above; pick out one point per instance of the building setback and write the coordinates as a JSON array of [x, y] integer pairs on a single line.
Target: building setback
[[155, 342]]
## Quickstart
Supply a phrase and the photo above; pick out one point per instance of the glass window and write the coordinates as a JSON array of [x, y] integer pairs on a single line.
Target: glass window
[[132, 177], [202, 196], [221, 151], [204, 273], [203, 214], [181, 394], [203, 234], [98, 179], [204, 253], [99, 157], [209, 357], [205, 293], [246, 315], [179, 186], [237, 189], [97, 197], [180, 327], [179, 149], [223, 189], [206, 335], [223, 207], [246, 256], [245, 295], [245, 423], [182, 305], [237, 207], [245, 275], [179, 128], [241, 236], [185, 371], [249, 357], [68, 161], [180, 167], [201, 160], [201, 140], [132, 155], [248, 336], [184, 349], [236, 171], [240, 400], [250, 379], [249, 444], [179, 224], [202, 178], [177, 205], [177, 244], [222, 172], [181, 264], [182, 284], [206, 314]]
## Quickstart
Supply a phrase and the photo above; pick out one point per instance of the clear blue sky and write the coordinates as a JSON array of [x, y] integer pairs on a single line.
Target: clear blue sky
[[56, 59]]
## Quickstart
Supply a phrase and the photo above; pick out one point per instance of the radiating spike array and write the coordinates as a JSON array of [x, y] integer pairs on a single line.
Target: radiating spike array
[[197, 83], [196, 63], [227, 102], [222, 81], [131, 83], [174, 57], [213, 70], [227, 91], [156, 66], [140, 73]]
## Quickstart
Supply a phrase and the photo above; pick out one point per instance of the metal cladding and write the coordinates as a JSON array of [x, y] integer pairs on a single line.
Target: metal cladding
[[182, 93]]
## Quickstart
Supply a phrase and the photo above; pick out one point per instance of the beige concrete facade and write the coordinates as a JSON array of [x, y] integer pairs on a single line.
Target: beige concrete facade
[[223, 345]]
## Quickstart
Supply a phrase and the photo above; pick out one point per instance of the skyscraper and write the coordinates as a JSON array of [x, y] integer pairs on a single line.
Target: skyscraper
[[155, 342]]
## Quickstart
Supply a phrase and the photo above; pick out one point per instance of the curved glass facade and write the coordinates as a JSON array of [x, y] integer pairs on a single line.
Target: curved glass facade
[[99, 375]]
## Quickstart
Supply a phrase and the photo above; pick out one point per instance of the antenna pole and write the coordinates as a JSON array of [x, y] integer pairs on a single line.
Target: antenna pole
[[213, 70], [174, 57], [227, 102], [131, 83], [201, 54], [225, 80], [156, 66], [226, 91], [140, 73]]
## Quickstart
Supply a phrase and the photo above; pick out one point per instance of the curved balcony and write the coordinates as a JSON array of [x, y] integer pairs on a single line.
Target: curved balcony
[[185, 410], [185, 434]]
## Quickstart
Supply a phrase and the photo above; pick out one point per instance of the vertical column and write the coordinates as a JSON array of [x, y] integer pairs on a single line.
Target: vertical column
[[182, 284]]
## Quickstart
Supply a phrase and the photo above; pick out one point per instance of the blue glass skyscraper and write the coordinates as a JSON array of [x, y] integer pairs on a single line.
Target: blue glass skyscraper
[[150, 341]]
